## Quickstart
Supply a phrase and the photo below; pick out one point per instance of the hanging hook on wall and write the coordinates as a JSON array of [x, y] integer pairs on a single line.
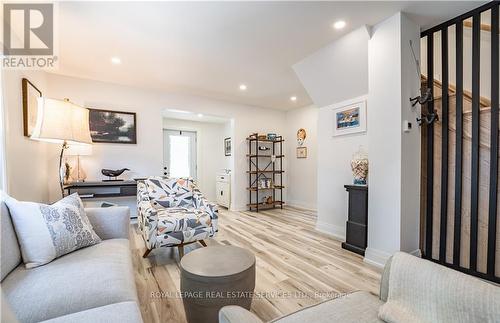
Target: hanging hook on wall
[[428, 118], [425, 95]]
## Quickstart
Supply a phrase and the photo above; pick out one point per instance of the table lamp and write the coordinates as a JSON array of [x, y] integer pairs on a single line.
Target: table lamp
[[62, 122], [78, 174]]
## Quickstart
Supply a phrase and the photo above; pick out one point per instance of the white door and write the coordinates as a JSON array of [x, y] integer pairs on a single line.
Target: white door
[[179, 153]]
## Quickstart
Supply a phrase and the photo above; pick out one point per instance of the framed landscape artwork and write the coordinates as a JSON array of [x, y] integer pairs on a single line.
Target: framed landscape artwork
[[30, 105], [350, 119], [113, 126]]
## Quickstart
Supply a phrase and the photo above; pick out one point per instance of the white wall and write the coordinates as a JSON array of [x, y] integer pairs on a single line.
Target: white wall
[[384, 119], [146, 158], [394, 187], [26, 160], [209, 150], [334, 169], [334, 76], [338, 71], [394, 156], [410, 142], [3, 178], [301, 185]]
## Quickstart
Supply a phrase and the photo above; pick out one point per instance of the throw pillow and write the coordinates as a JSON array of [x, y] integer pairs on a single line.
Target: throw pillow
[[46, 232]]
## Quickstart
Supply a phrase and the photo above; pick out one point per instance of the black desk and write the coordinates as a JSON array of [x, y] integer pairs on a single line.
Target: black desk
[[90, 190]]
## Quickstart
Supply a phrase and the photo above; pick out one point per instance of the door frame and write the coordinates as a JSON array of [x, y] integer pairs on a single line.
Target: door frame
[[183, 129]]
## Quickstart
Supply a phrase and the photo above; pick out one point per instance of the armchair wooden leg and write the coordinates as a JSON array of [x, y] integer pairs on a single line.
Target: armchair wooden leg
[[181, 251], [146, 253], [203, 243]]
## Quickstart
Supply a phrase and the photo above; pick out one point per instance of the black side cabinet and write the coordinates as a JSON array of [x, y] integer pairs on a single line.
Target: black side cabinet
[[357, 220]]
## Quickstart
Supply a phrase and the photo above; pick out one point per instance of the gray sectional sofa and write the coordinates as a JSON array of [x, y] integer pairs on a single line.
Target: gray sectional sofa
[[411, 290], [93, 284]]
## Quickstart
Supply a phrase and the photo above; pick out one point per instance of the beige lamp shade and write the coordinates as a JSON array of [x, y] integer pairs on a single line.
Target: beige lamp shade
[[58, 121], [79, 150]]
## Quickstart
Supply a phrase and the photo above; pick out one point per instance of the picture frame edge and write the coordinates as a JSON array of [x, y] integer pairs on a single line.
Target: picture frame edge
[[24, 93], [364, 111], [225, 152], [134, 142]]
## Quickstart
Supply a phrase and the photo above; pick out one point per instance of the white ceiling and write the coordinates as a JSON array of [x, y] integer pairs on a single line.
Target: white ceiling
[[209, 48], [191, 116]]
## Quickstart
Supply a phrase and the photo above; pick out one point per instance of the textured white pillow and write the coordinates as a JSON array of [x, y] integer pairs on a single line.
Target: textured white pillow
[[46, 232]]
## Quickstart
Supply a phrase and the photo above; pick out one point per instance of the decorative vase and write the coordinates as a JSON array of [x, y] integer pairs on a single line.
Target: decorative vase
[[359, 166]]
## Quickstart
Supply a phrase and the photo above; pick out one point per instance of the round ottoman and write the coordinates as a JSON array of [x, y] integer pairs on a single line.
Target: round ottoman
[[214, 277]]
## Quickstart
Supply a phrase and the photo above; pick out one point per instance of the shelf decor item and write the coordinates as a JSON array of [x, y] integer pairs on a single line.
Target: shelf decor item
[[265, 171], [113, 174], [77, 173], [350, 119], [359, 167], [271, 136], [117, 127]]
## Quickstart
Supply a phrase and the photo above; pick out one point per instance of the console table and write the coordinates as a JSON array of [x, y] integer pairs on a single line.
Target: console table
[[357, 220], [102, 189]]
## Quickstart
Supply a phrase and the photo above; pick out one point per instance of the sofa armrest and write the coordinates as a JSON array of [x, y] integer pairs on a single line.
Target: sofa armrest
[[384, 281], [110, 222], [237, 314], [200, 202]]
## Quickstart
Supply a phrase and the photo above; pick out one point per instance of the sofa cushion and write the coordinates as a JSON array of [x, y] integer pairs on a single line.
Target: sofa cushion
[[125, 312], [46, 232], [423, 291], [182, 219], [10, 254], [6, 313], [352, 308], [90, 277]]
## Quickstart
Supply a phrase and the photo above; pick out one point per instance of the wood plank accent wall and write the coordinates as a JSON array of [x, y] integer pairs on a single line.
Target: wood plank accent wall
[[460, 152]]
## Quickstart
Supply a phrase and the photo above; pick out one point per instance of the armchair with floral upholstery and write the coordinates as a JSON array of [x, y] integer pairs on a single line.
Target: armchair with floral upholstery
[[173, 212]]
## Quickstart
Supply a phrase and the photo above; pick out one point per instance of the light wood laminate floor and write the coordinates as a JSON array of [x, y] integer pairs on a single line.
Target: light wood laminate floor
[[297, 266]]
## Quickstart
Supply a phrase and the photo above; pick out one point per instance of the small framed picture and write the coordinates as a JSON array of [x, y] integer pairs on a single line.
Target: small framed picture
[[30, 105], [349, 119], [301, 152], [227, 146]]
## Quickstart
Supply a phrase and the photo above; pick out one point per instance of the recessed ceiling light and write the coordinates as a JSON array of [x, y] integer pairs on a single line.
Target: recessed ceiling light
[[116, 60], [243, 87], [179, 111], [293, 98], [199, 115], [339, 24]]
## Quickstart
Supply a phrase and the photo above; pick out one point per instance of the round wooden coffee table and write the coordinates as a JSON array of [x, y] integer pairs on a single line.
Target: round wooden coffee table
[[214, 277]]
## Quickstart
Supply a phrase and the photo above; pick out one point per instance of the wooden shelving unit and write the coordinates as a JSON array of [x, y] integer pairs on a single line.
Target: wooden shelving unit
[[262, 166]]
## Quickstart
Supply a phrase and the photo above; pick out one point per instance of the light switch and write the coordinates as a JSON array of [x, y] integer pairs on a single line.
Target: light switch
[[406, 126]]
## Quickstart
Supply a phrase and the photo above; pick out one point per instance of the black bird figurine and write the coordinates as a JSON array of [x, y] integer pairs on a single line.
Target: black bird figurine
[[113, 173]]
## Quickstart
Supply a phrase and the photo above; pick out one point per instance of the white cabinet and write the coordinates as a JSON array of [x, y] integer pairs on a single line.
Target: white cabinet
[[223, 188]]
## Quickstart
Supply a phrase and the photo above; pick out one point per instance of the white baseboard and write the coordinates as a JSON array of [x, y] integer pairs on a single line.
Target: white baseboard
[[330, 229], [301, 205], [376, 257], [238, 208]]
